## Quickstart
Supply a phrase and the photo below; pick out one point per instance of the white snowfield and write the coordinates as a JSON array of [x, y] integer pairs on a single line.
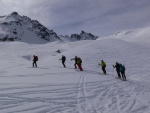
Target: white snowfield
[[50, 88]]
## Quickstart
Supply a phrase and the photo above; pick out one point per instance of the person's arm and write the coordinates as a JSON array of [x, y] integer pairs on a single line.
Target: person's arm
[[73, 59]]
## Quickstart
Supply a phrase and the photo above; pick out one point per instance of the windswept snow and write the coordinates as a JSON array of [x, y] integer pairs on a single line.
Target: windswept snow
[[50, 88], [140, 36]]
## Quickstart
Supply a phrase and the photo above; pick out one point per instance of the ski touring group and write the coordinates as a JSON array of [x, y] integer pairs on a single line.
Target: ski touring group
[[78, 62], [120, 68]]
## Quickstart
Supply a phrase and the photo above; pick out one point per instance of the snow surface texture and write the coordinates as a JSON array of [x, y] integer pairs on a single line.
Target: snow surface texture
[[14, 27], [50, 88]]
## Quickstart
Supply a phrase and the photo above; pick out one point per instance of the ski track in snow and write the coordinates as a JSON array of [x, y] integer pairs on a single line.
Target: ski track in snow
[[83, 104], [99, 97]]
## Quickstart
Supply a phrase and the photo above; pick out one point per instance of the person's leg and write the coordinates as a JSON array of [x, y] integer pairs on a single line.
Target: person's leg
[[35, 64], [75, 65], [118, 72], [104, 70], [124, 75], [63, 64], [79, 65]]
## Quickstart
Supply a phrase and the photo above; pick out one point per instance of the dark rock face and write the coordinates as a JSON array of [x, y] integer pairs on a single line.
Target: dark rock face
[[83, 36], [43, 32], [14, 13]]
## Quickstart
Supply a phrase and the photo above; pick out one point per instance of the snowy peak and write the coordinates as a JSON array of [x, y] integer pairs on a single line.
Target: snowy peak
[[22, 28], [14, 13], [77, 37], [88, 36], [141, 35], [123, 32], [83, 36], [14, 16]]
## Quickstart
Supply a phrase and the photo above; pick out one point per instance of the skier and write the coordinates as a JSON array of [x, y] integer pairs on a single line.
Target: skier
[[122, 70], [117, 66], [63, 60], [35, 59], [79, 63], [75, 61], [103, 65]]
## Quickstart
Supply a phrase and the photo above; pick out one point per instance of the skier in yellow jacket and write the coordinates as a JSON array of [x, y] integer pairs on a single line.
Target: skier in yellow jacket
[[103, 65]]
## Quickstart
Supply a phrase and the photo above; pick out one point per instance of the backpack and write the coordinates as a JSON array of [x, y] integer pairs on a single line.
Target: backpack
[[103, 64], [122, 67], [36, 58], [79, 60]]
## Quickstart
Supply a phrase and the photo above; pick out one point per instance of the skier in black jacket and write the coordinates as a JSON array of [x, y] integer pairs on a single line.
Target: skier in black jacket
[[63, 60], [35, 59], [117, 66], [75, 61]]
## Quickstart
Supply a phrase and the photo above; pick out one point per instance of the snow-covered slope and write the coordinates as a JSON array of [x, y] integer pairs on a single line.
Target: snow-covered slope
[[141, 35], [50, 88], [22, 28]]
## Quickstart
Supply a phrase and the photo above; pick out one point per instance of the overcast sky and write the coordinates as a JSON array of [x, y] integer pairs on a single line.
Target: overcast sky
[[99, 17]]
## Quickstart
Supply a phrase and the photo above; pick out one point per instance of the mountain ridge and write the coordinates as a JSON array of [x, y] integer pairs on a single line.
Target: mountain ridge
[[14, 27]]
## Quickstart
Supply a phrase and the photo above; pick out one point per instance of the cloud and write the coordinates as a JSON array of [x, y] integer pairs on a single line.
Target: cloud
[[100, 17]]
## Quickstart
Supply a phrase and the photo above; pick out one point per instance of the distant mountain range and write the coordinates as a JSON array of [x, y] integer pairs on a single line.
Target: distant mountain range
[[14, 27]]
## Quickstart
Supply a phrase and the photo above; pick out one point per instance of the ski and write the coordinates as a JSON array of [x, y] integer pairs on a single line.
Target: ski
[[120, 79], [102, 74]]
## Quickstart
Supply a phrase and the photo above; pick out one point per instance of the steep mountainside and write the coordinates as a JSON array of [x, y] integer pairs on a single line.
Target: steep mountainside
[[22, 28]]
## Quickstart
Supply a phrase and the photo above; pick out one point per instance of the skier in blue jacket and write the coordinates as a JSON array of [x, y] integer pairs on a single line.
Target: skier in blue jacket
[[122, 70]]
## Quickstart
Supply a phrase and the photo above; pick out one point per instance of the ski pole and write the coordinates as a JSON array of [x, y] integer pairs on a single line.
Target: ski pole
[[59, 62], [70, 64], [112, 69], [98, 68]]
